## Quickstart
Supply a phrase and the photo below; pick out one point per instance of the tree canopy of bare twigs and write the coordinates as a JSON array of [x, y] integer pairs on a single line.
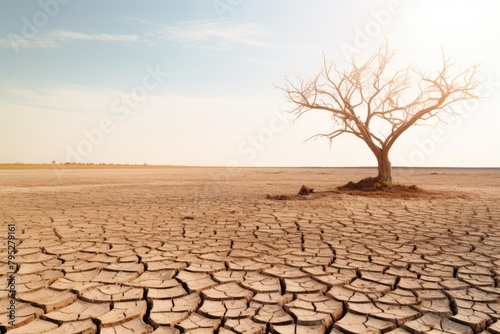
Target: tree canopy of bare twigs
[[377, 104]]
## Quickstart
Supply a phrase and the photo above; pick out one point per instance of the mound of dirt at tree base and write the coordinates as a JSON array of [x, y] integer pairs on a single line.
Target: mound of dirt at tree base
[[372, 186]]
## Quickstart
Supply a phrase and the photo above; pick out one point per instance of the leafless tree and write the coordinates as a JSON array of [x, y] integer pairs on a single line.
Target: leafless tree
[[377, 104]]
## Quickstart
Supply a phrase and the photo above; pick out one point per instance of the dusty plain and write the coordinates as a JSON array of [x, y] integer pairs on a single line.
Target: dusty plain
[[202, 250]]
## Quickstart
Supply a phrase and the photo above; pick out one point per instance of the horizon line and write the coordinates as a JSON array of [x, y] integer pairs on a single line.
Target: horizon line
[[147, 165]]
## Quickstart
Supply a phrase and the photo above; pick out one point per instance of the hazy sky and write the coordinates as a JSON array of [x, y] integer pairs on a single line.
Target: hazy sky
[[193, 82]]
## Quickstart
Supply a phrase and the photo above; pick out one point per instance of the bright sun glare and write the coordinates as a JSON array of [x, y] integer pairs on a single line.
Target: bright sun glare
[[453, 15]]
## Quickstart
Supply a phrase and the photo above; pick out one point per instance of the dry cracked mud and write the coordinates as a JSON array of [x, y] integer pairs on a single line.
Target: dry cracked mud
[[201, 250]]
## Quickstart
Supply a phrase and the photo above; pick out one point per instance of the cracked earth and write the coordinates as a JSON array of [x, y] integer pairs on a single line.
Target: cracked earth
[[201, 250]]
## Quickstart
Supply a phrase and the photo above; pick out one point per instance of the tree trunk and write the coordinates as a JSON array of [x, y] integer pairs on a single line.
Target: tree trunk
[[384, 167]]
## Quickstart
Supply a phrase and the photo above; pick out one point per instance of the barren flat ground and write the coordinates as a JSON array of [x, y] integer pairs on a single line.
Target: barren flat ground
[[202, 250]]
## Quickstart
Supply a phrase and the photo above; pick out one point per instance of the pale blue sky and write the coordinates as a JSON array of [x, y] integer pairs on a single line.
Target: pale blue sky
[[87, 80]]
